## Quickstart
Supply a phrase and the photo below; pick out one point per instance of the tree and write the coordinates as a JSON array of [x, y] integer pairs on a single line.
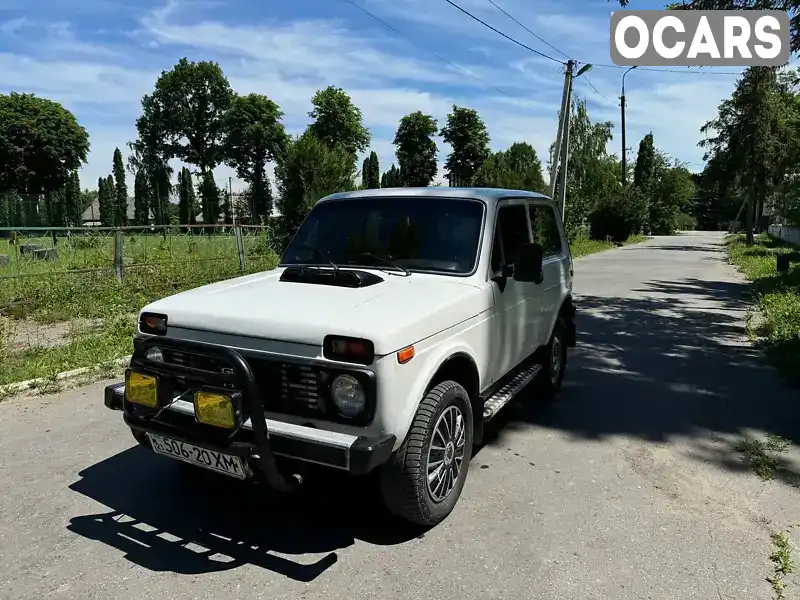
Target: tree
[[185, 197], [41, 144], [183, 117], [749, 137], [467, 135], [790, 6], [337, 121], [255, 136], [392, 178], [151, 158], [517, 168], [619, 214], [72, 201], [371, 172], [672, 188], [416, 149], [308, 171], [141, 199], [105, 202], [644, 170], [591, 174], [120, 190], [209, 197]]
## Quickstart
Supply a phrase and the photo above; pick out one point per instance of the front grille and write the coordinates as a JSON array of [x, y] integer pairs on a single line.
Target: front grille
[[285, 387]]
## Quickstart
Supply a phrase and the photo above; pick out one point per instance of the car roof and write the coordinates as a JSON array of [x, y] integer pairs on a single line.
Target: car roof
[[489, 195]]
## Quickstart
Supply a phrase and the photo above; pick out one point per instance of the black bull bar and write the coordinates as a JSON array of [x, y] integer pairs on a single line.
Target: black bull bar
[[239, 378]]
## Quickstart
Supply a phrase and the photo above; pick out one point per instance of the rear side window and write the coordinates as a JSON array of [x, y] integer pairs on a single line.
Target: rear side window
[[510, 233], [545, 228]]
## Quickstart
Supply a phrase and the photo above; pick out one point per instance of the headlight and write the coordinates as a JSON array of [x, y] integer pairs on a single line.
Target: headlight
[[214, 409], [348, 395], [155, 355], [141, 389]]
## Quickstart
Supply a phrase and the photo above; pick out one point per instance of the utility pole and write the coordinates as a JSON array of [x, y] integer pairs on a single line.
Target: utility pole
[[230, 200], [562, 119], [562, 188], [624, 175]]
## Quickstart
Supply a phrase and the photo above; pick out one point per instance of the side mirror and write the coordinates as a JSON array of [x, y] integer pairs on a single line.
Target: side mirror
[[528, 266]]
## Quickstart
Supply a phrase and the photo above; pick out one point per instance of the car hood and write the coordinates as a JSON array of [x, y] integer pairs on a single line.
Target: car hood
[[393, 314]]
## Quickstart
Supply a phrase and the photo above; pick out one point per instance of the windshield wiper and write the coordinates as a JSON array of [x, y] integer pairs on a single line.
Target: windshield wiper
[[385, 260], [319, 252]]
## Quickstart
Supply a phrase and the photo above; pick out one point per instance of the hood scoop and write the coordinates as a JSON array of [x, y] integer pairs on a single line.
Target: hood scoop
[[350, 278]]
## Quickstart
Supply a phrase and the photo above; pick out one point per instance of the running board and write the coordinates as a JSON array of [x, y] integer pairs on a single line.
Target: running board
[[505, 394]]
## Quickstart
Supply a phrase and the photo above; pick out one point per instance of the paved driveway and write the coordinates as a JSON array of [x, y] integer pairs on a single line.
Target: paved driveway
[[626, 487]]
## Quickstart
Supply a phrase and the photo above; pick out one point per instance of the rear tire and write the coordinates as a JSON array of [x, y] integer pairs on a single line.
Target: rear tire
[[438, 447], [554, 361]]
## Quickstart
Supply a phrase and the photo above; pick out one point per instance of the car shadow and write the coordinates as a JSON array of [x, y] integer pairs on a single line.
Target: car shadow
[[672, 362], [166, 516]]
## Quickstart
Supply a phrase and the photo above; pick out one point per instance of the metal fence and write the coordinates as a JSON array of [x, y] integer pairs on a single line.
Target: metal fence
[[51, 251]]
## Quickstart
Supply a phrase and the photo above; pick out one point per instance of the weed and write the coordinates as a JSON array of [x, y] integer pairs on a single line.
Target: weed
[[758, 454], [782, 561]]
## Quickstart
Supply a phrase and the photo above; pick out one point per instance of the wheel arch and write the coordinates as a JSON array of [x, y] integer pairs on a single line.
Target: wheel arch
[[462, 368]]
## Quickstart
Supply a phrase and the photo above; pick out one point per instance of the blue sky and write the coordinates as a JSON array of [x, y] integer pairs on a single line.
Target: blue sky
[[98, 57]]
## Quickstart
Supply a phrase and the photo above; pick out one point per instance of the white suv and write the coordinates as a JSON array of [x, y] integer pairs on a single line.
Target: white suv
[[398, 322]]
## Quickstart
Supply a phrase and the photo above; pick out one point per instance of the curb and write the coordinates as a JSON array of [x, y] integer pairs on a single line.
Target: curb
[[21, 386]]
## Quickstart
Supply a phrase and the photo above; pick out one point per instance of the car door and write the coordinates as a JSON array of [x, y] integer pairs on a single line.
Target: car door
[[512, 332], [547, 230]]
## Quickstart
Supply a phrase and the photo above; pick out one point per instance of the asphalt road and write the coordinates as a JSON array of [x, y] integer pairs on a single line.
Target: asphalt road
[[626, 487]]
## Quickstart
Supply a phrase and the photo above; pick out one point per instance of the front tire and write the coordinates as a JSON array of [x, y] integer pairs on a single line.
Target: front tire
[[423, 480]]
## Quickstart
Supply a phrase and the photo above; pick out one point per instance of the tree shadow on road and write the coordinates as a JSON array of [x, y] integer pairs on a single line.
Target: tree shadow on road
[[673, 364], [166, 516]]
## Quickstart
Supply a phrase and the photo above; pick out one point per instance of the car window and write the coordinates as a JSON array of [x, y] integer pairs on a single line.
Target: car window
[[545, 228], [512, 226]]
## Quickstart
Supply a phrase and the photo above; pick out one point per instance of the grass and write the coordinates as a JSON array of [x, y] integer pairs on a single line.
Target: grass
[[777, 301], [761, 455], [782, 563], [584, 245], [46, 294]]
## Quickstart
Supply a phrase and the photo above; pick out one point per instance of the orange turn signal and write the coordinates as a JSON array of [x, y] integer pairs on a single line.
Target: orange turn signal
[[405, 355]]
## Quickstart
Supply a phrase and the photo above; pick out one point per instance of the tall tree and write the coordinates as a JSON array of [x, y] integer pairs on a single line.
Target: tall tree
[[365, 170], [183, 117], [374, 179], [467, 135], [41, 143], [209, 196], [337, 121], [151, 158], [747, 135], [120, 190], [72, 201], [392, 178], [255, 136], [185, 192], [141, 199], [308, 171], [644, 171], [517, 168], [416, 149], [105, 202]]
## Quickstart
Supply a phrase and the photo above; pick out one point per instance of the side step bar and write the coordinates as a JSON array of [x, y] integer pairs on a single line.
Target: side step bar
[[505, 394]]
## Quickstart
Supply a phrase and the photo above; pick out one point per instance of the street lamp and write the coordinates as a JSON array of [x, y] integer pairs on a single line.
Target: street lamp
[[624, 147]]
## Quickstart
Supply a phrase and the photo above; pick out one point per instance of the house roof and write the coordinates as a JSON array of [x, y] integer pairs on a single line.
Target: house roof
[[92, 212]]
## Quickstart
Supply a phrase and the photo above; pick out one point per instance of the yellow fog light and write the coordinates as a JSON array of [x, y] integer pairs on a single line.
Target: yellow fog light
[[141, 389], [214, 409]]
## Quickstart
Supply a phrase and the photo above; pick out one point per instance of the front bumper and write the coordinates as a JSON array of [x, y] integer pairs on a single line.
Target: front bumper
[[258, 441]]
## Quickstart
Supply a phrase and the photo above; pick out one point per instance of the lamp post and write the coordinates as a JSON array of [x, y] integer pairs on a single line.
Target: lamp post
[[624, 175]]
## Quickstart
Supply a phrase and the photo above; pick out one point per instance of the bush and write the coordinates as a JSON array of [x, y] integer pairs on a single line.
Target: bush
[[619, 216], [686, 222]]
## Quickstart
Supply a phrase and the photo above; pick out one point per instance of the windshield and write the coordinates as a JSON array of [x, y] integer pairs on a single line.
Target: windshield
[[418, 233]]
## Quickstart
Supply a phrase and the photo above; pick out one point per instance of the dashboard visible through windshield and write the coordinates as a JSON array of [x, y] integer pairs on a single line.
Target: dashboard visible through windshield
[[415, 233]]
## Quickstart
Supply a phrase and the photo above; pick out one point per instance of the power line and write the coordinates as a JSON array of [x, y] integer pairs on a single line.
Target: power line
[[604, 97], [508, 37], [439, 56], [534, 34], [670, 70]]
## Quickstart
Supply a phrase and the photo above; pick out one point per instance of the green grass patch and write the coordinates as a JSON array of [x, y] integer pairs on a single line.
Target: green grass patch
[[777, 299], [761, 455], [782, 563], [582, 246]]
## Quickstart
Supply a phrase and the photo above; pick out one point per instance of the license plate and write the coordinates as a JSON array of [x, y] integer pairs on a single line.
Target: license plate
[[220, 462]]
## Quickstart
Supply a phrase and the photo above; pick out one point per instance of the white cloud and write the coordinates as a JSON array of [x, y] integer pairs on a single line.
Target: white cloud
[[386, 75]]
